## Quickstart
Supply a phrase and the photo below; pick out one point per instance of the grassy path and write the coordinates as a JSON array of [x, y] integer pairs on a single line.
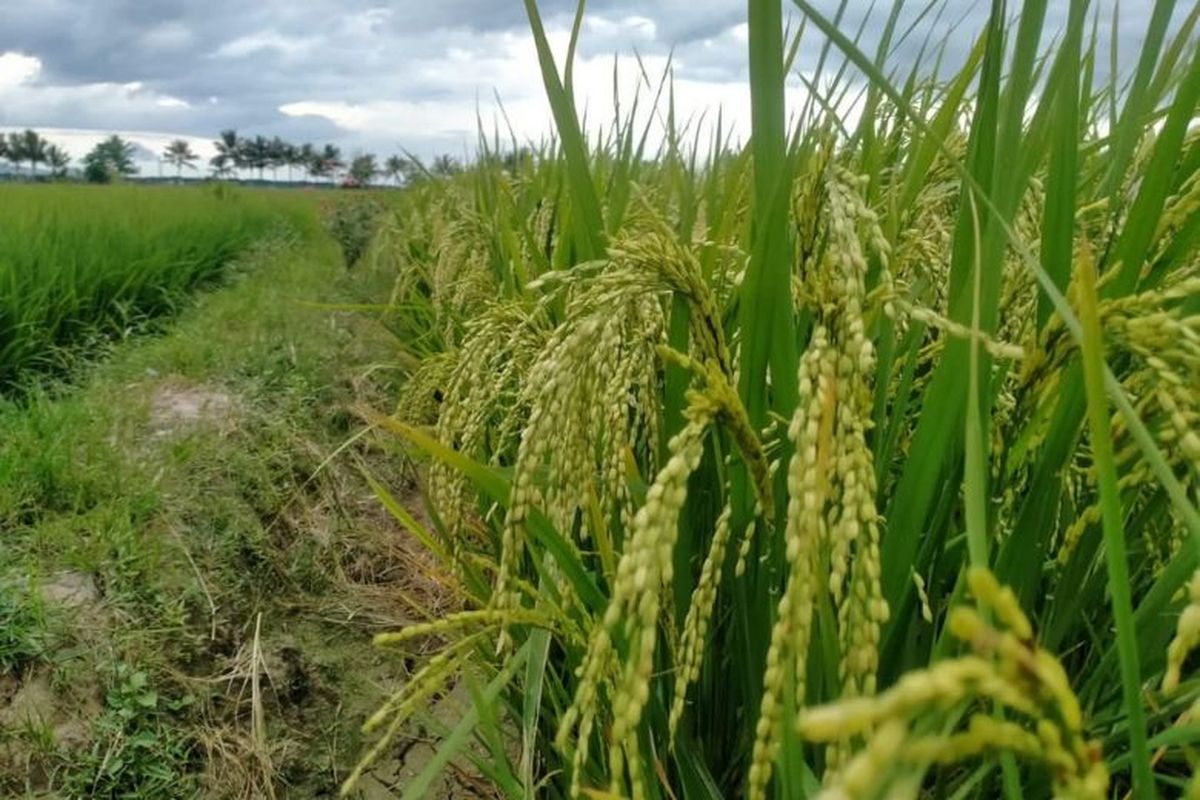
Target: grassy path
[[185, 610]]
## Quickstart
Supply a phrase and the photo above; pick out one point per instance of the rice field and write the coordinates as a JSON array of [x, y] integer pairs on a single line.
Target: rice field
[[857, 460], [82, 265]]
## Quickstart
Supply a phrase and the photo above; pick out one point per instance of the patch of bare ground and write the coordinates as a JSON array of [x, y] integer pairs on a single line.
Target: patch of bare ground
[[386, 594], [50, 714], [413, 751], [317, 674], [43, 718], [177, 406]]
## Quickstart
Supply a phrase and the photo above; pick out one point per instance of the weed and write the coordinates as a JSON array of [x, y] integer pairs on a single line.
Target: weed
[[138, 749], [21, 630], [352, 221]]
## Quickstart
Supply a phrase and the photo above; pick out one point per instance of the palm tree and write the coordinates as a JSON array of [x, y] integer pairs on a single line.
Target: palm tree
[[394, 167], [14, 150], [257, 153], [277, 156], [331, 160], [289, 156], [303, 156], [363, 168], [445, 165], [179, 153], [26, 146], [6, 152], [35, 149], [230, 153], [306, 156], [58, 159], [317, 168]]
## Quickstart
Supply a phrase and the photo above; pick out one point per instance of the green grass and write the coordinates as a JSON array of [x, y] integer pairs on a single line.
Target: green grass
[[84, 265], [20, 630]]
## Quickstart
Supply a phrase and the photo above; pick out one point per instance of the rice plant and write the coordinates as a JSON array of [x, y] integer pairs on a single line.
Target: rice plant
[[859, 460], [80, 265]]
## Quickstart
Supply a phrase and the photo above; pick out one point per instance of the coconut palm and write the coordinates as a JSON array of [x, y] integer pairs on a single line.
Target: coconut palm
[[180, 153], [14, 150], [363, 169], [58, 159], [301, 156], [395, 167], [331, 161], [445, 165], [7, 153], [317, 168], [306, 156], [273, 155], [258, 154], [29, 146], [230, 155], [35, 149], [290, 157]]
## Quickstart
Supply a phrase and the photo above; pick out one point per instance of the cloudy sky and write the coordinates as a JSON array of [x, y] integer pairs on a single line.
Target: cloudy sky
[[378, 76]]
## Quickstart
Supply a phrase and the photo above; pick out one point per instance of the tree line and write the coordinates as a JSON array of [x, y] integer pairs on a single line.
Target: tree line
[[28, 147], [110, 158], [236, 155]]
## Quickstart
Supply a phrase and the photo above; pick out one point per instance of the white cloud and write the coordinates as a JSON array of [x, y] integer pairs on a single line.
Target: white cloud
[[367, 23], [345, 115], [629, 28], [506, 64], [17, 69], [167, 37], [91, 104], [264, 40]]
